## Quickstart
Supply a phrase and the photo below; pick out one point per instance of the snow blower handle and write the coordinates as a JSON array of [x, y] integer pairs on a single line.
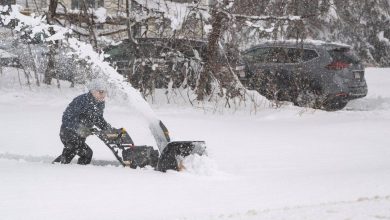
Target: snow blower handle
[[98, 131], [112, 134]]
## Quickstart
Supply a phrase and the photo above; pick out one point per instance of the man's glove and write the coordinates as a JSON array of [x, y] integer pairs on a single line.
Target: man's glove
[[84, 131]]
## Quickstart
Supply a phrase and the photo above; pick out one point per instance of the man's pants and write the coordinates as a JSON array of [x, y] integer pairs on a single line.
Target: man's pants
[[74, 145]]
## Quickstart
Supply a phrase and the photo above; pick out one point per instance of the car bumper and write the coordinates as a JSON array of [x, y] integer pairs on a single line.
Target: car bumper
[[357, 92], [349, 93]]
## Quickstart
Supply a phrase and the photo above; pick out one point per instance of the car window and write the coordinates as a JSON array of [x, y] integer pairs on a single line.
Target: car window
[[277, 55], [309, 55], [344, 54], [188, 51], [294, 55], [257, 55], [116, 51], [297, 55], [121, 51]]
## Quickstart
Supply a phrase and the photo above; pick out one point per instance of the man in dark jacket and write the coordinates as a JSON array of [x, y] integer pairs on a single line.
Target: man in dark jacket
[[81, 115]]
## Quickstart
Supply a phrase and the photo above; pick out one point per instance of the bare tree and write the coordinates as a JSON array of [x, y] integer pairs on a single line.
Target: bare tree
[[50, 71], [211, 66]]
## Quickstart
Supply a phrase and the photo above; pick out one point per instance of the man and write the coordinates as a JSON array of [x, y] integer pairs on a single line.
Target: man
[[81, 115]]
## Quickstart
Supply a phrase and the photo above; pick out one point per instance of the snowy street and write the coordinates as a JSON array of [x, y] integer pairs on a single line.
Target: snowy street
[[283, 163]]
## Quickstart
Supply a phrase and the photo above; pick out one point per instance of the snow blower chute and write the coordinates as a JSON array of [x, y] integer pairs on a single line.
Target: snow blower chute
[[133, 156]]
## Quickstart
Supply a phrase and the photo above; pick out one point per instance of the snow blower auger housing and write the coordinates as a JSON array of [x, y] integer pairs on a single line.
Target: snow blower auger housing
[[130, 155]]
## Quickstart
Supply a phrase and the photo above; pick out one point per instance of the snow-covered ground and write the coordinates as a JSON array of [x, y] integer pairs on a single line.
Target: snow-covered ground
[[285, 163]]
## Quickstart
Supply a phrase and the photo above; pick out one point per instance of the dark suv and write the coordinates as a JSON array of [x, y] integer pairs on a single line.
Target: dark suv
[[314, 74]]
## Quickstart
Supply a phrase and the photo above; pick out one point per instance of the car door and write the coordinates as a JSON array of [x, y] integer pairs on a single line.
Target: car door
[[281, 73], [269, 71], [258, 68]]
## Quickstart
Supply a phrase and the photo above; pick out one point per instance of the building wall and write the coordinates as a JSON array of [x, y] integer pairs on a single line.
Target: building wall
[[33, 6]]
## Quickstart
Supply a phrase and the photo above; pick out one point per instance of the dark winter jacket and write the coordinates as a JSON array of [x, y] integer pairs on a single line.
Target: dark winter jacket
[[84, 111]]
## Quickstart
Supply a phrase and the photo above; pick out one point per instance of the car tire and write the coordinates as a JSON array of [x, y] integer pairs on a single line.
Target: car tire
[[334, 104]]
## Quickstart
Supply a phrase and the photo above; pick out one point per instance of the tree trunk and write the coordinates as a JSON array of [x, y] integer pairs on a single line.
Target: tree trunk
[[211, 65], [52, 9], [90, 23], [128, 20], [50, 69]]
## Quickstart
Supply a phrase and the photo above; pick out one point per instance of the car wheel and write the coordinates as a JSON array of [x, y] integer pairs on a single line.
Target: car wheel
[[334, 104]]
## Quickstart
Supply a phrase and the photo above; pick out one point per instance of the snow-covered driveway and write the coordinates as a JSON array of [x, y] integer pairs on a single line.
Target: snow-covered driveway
[[286, 163]]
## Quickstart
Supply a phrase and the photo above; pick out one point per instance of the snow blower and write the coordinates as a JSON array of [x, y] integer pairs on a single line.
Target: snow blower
[[133, 156]]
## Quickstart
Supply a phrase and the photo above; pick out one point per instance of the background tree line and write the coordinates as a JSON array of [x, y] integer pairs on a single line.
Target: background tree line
[[227, 26]]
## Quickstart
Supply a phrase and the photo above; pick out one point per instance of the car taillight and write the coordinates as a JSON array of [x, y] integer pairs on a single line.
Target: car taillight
[[338, 65]]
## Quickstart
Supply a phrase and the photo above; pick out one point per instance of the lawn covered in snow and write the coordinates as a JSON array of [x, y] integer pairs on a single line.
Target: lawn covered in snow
[[283, 163]]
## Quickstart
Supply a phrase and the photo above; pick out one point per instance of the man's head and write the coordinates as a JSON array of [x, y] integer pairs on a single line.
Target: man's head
[[98, 89]]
